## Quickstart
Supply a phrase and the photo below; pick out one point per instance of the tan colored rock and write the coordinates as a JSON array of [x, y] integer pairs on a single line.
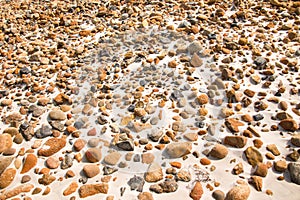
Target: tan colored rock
[[238, 192], [219, 151], [52, 162], [70, 189], [91, 170], [203, 99], [257, 182], [46, 179], [154, 173], [178, 149], [280, 165], [5, 142], [93, 155], [261, 170], [92, 189], [233, 124], [79, 144], [145, 196], [196, 61], [238, 169], [273, 149], [7, 177], [289, 124], [235, 141], [4, 163], [18, 190], [197, 191], [52, 146], [112, 158], [147, 158], [253, 156]]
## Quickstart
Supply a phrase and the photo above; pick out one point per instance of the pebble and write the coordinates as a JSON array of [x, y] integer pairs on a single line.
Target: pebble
[[29, 163], [169, 185], [238, 192], [261, 170], [295, 140], [7, 177], [112, 158], [289, 124], [219, 151], [136, 183], [235, 141], [57, 115], [178, 149], [52, 146], [197, 191], [91, 170], [218, 195], [203, 99], [183, 175], [294, 170], [5, 142], [253, 156], [145, 196], [46, 179], [148, 158], [79, 144], [43, 132], [52, 162], [70, 189], [273, 149], [93, 155], [25, 179], [196, 61], [67, 162], [257, 182], [280, 165], [92, 189], [233, 124], [154, 173]]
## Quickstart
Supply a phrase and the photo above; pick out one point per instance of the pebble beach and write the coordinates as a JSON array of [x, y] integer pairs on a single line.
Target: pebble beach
[[149, 100]]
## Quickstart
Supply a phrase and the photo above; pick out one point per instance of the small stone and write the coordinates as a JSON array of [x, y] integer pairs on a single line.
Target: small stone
[[289, 125], [67, 162], [145, 196], [46, 179], [218, 195], [238, 192], [194, 47], [197, 191], [295, 140], [139, 112], [5, 142], [92, 189], [233, 124], [238, 169], [219, 151], [155, 135], [203, 99], [91, 170], [294, 170], [70, 189], [29, 163], [52, 162], [283, 105], [93, 155], [57, 115], [93, 142], [79, 144], [126, 145], [273, 149], [147, 158], [25, 179], [196, 61], [205, 161], [183, 175], [255, 79], [280, 166], [43, 132], [7, 177], [112, 158], [249, 93], [253, 156], [17, 190], [178, 126], [52, 146], [178, 149], [154, 173], [257, 182], [261, 170], [136, 183], [283, 115], [191, 136], [235, 141]]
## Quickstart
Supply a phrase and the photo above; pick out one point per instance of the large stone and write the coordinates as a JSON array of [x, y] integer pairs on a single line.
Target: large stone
[[196, 61], [46, 179], [219, 151], [233, 124], [52, 146], [239, 192], [235, 141], [57, 115], [17, 190], [294, 170], [70, 189], [7, 177], [197, 191], [29, 163], [92, 189], [154, 173], [91, 170], [5, 142], [93, 155], [178, 149], [112, 158], [253, 156], [289, 124], [4, 163]]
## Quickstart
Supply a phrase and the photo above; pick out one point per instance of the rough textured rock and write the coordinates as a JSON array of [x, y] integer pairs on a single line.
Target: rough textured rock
[[294, 170], [178, 149], [235, 141], [253, 156], [17, 190], [79, 144], [136, 183], [154, 173], [91, 170], [280, 165], [289, 124], [52, 162], [197, 191], [5, 142], [46, 179], [4, 163], [202, 99], [295, 140], [70, 189], [183, 175], [147, 158], [219, 151], [93, 155], [239, 192], [257, 182], [169, 185], [7, 177], [92, 189], [29, 163], [261, 169], [52, 146], [145, 196], [233, 124], [57, 115]]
